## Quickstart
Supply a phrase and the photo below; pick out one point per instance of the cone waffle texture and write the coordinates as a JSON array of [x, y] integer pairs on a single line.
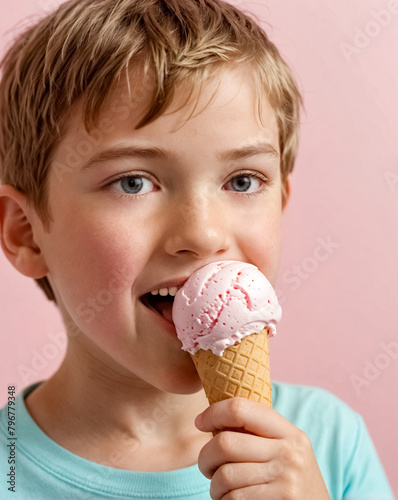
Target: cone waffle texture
[[243, 370]]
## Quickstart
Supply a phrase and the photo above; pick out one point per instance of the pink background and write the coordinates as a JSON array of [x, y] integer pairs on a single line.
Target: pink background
[[340, 303]]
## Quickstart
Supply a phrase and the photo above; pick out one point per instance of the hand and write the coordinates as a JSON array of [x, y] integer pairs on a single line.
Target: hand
[[257, 454]]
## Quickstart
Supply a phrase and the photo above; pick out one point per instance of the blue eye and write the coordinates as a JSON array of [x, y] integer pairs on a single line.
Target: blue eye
[[133, 184], [244, 183]]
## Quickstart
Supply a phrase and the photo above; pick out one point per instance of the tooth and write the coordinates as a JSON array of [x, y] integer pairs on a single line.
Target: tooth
[[163, 292], [154, 292], [173, 290]]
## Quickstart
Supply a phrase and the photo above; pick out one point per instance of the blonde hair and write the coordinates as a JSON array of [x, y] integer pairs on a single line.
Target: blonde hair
[[82, 50]]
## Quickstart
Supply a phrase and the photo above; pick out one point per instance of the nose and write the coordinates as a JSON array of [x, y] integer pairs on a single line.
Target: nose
[[199, 227]]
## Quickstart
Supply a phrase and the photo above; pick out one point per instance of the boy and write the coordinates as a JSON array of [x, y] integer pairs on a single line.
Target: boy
[[140, 141]]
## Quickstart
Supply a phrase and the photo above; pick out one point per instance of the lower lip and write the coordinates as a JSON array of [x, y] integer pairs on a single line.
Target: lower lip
[[167, 325]]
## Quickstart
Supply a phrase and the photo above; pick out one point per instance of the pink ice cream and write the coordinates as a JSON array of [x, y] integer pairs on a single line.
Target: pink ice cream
[[222, 303]]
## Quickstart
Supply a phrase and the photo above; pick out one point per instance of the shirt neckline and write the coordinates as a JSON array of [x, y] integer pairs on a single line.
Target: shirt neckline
[[96, 478]]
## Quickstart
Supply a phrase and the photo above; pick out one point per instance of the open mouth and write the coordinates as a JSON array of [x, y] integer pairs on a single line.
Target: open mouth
[[161, 301]]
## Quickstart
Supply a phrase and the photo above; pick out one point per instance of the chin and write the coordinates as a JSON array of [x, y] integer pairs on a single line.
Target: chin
[[187, 382]]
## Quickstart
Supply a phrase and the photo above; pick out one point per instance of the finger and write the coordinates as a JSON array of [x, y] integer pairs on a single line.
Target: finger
[[258, 492], [242, 413], [235, 447], [231, 477]]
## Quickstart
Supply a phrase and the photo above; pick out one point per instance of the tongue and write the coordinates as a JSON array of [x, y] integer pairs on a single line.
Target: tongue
[[165, 309]]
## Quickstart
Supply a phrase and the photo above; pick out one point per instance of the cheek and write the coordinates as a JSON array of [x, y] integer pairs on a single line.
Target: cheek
[[262, 241], [93, 262]]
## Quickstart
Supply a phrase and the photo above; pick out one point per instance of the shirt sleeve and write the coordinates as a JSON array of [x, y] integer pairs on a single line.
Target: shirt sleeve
[[364, 475]]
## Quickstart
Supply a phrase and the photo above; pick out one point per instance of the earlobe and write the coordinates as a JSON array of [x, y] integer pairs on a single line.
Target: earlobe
[[17, 236], [285, 192]]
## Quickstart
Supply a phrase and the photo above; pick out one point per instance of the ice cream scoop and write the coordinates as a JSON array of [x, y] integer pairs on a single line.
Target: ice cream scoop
[[223, 316], [221, 303]]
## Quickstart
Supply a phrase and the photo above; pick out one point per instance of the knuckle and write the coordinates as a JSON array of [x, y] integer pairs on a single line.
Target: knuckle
[[290, 457], [289, 493], [289, 477], [293, 452], [302, 442], [287, 455], [237, 410], [203, 462], [275, 469], [225, 442], [235, 495], [224, 476], [290, 484]]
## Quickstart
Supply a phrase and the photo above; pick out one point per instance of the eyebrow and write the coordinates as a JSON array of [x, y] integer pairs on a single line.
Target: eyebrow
[[261, 148], [128, 152]]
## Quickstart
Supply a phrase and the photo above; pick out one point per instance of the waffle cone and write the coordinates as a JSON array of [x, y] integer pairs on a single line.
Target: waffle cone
[[243, 370]]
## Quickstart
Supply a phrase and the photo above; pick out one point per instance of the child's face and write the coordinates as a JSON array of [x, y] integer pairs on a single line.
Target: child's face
[[195, 192]]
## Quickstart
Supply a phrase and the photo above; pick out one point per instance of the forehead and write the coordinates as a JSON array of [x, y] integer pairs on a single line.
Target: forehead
[[229, 99]]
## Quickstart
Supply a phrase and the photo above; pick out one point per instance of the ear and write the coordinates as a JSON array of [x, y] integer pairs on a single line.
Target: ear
[[17, 236], [285, 192]]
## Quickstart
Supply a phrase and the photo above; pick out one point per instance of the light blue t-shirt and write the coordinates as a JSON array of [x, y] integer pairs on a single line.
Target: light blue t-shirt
[[44, 470]]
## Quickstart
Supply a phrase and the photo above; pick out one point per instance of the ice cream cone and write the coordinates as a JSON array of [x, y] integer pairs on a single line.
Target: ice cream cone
[[242, 370]]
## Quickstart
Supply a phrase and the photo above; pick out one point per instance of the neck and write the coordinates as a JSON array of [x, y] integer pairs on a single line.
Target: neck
[[93, 410]]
